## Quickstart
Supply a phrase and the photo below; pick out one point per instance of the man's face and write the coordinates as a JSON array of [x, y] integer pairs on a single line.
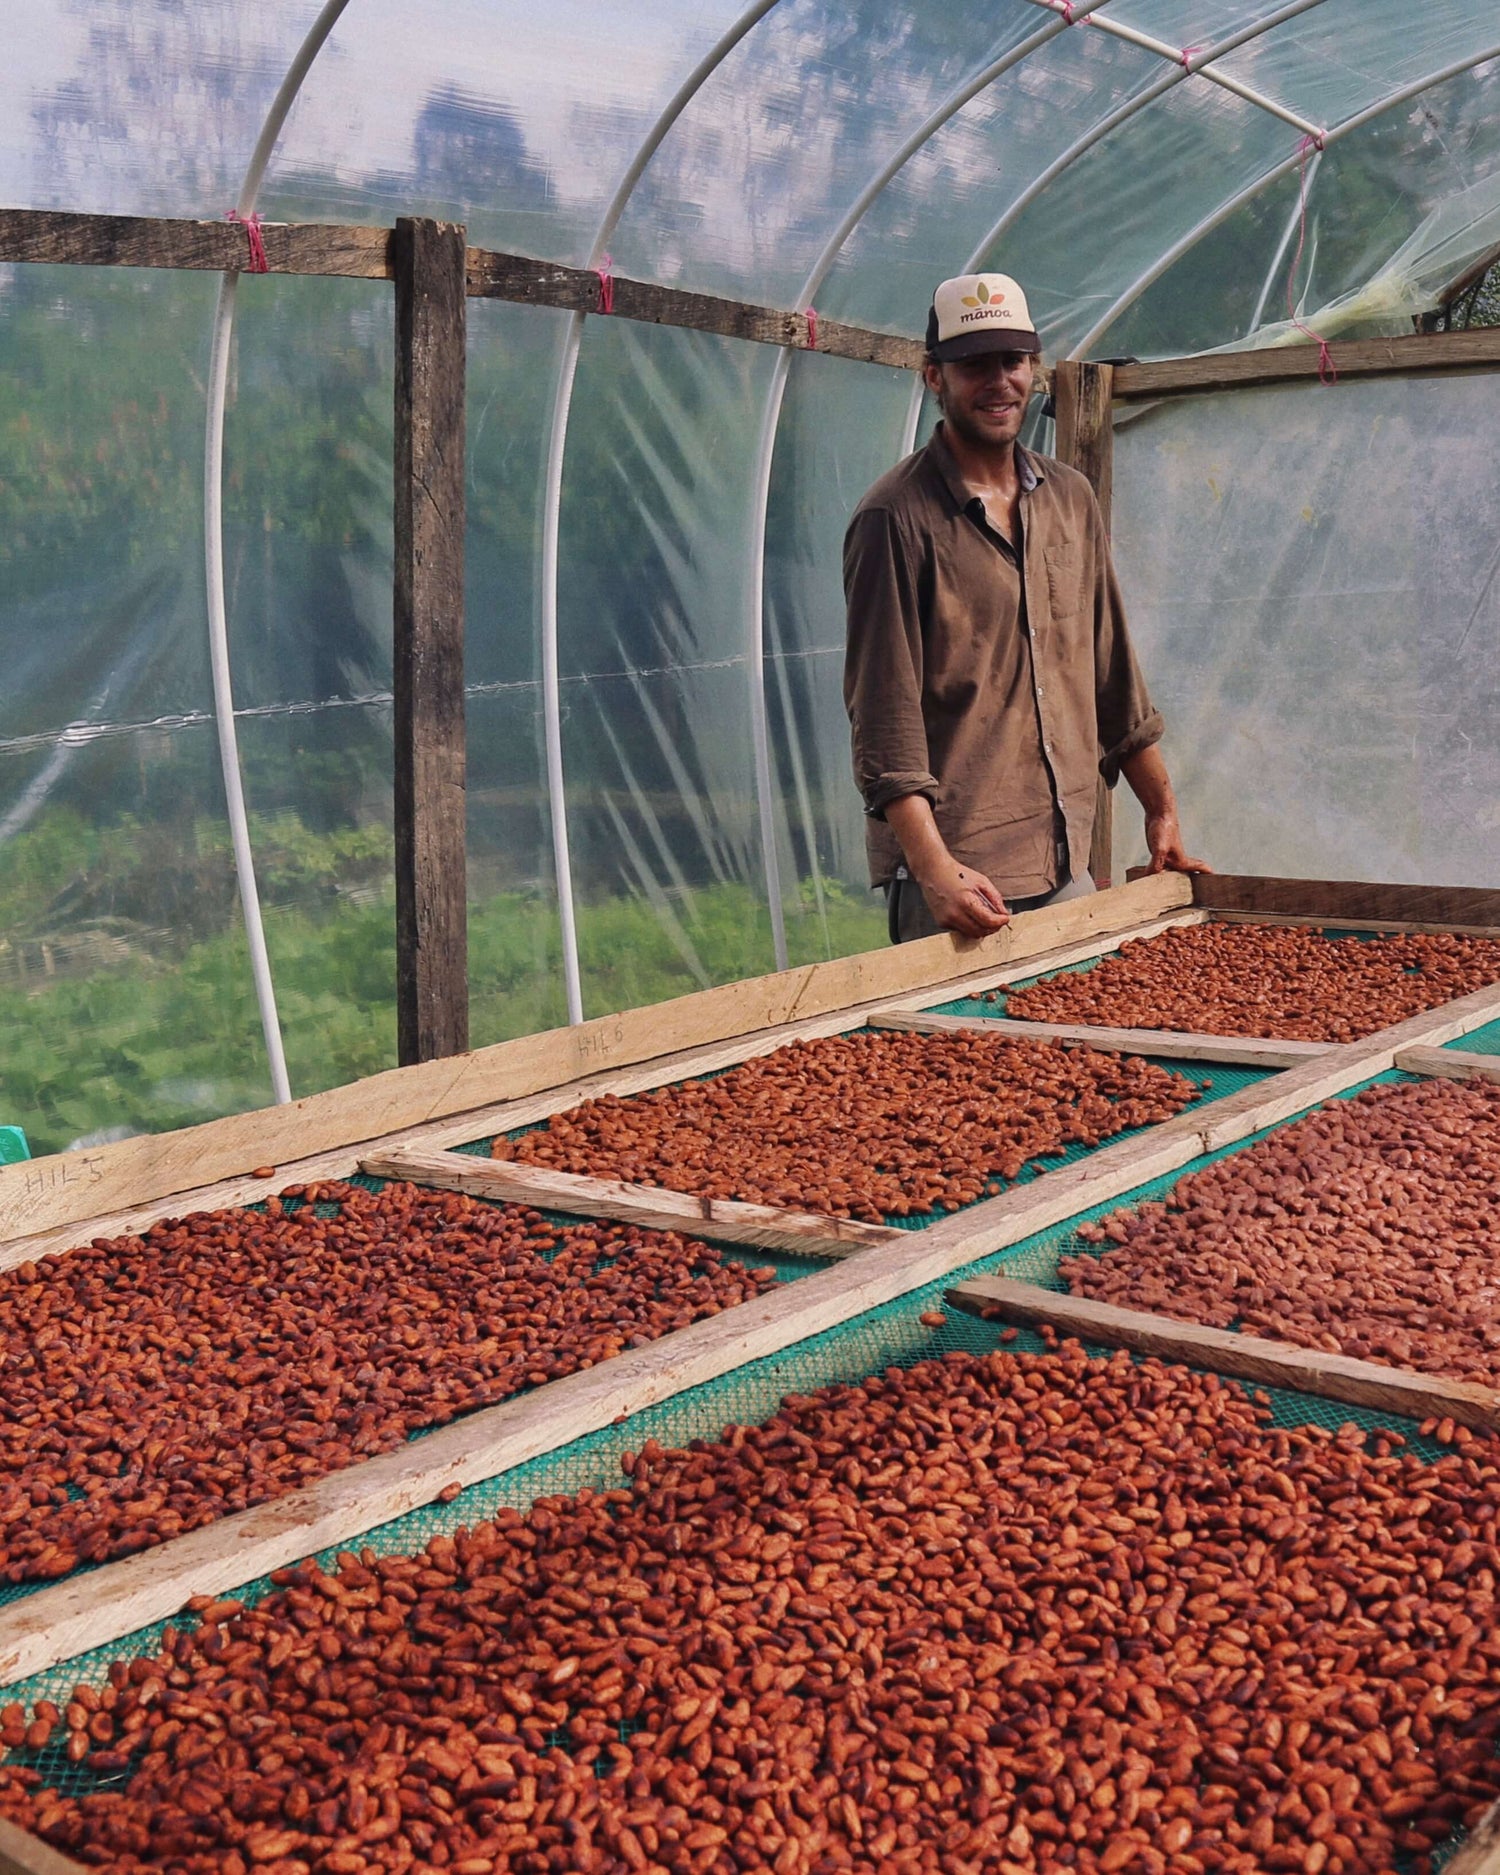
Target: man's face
[[984, 399]]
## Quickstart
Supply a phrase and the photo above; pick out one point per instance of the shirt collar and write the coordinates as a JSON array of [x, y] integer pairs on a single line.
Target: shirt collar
[[1028, 467]]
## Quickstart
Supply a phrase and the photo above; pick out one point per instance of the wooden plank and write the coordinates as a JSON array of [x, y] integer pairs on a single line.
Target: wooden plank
[[1292, 1092], [1083, 397], [580, 289], [432, 964], [1390, 926], [24, 1854], [802, 1233], [65, 1188], [1168, 1044], [1243, 1357], [1475, 349], [1336, 901], [462, 1128], [1451, 1064], [60, 1622], [45, 235], [1479, 1852]]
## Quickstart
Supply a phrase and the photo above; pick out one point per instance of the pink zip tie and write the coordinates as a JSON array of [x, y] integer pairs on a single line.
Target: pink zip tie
[[606, 284], [1065, 7], [812, 329], [251, 225], [1186, 57], [1326, 372]]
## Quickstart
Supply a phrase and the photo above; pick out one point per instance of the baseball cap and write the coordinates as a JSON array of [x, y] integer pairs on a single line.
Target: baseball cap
[[979, 312]]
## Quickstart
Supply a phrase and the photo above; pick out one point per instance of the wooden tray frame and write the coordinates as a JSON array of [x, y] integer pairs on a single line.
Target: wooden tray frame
[[402, 1122]]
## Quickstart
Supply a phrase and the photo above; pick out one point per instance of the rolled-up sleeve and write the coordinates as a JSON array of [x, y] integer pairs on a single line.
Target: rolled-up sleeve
[[883, 664], [1128, 720]]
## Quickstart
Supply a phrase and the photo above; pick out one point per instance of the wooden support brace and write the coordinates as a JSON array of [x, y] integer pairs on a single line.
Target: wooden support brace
[[24, 1854], [1083, 399], [1342, 901], [318, 1136], [762, 1226], [1474, 349], [1388, 927], [1449, 1064], [1479, 1852], [1242, 1357], [1166, 1044], [432, 989]]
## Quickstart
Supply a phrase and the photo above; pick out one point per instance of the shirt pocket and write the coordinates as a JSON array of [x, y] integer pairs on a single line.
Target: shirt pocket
[[1065, 589]]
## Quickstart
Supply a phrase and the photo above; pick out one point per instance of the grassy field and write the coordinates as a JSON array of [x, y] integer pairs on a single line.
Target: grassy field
[[125, 993]]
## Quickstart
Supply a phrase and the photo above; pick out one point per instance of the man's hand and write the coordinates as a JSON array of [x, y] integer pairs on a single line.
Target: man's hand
[[959, 898], [1164, 839], [1147, 774], [963, 900]]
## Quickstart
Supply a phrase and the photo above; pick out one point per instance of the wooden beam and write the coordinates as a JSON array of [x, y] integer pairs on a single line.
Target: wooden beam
[[24, 1854], [1243, 1357], [1391, 927], [1450, 1064], [1083, 399], [1335, 901], [1343, 1067], [71, 1187], [765, 1227], [367, 254], [45, 235], [580, 289], [99, 1607], [504, 1116], [1166, 1044], [1475, 349], [432, 982]]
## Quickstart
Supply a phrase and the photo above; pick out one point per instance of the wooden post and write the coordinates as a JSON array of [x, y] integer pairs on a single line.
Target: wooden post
[[1084, 398], [432, 991]]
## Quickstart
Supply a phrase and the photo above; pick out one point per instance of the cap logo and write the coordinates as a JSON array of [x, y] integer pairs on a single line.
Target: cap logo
[[981, 296]]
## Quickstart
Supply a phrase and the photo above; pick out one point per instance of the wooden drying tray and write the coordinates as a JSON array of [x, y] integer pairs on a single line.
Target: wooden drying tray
[[59, 1622]]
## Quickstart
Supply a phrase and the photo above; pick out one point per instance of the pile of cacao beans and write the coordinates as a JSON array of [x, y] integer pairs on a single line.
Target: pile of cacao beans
[[1269, 980], [151, 1384], [871, 1125], [1369, 1228], [993, 1615]]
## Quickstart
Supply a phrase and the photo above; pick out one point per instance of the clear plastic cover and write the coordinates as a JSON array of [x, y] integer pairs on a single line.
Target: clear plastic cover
[[757, 130], [1312, 577]]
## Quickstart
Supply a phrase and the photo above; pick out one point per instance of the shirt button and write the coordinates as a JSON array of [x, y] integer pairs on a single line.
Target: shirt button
[[1040, 691], [1046, 748]]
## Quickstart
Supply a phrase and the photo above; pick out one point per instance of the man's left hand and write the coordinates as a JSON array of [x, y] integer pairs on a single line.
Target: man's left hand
[[1164, 838]]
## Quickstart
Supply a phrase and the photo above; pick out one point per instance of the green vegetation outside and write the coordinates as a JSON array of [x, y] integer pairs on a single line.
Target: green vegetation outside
[[113, 1022]]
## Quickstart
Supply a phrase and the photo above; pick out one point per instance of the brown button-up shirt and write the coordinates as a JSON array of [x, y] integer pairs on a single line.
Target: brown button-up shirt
[[999, 684]]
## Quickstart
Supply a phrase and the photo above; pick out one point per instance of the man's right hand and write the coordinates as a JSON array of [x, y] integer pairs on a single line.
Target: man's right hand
[[963, 900]]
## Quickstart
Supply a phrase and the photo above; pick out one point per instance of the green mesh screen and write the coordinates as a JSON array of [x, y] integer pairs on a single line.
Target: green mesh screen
[[1485, 1041]]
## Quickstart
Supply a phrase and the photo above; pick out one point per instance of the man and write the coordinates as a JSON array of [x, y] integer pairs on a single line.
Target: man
[[989, 678]]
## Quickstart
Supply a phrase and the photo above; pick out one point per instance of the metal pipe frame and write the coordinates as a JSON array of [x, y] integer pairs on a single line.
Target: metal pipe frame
[[1198, 63], [1220, 215], [557, 443], [1183, 56]]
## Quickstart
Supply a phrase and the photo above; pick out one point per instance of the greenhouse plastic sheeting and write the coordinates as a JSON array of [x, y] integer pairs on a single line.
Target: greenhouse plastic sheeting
[[867, 149], [1315, 590]]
